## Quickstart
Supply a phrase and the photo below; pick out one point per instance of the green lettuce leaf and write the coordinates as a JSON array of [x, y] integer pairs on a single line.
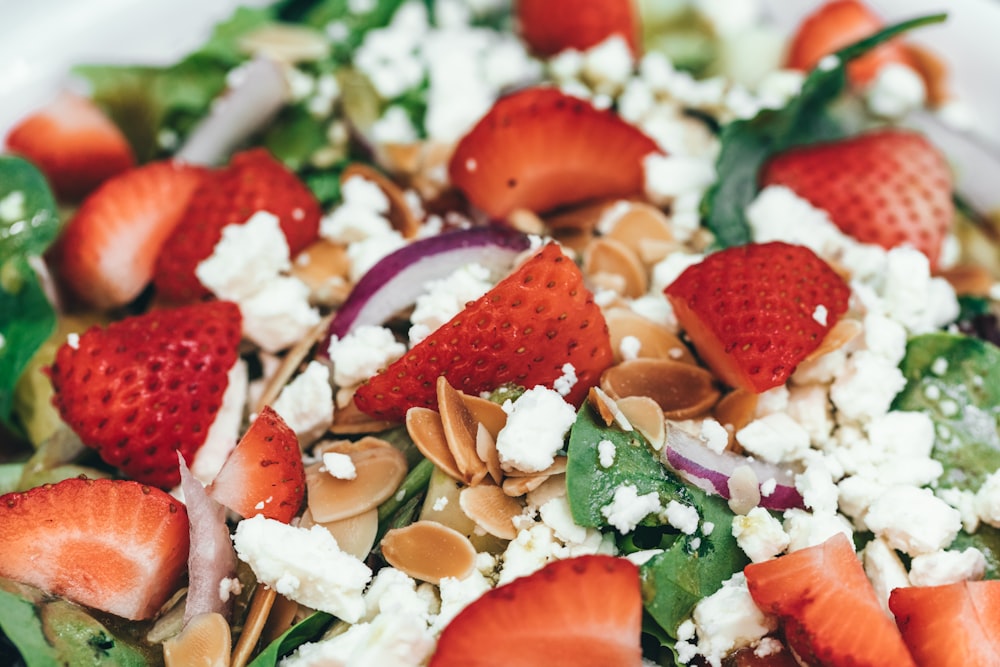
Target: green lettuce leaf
[[308, 629]]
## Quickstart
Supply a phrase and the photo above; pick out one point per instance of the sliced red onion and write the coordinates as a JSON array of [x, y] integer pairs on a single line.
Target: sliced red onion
[[711, 471], [211, 557], [241, 112], [399, 278]]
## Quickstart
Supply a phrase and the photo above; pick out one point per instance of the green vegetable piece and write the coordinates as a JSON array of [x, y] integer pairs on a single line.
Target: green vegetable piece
[[22, 626], [987, 540], [308, 629], [747, 144], [29, 220], [590, 486], [955, 380]]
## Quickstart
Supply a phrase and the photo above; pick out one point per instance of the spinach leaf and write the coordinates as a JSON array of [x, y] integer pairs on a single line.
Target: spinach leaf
[[308, 629], [955, 380], [747, 144], [987, 540], [28, 224]]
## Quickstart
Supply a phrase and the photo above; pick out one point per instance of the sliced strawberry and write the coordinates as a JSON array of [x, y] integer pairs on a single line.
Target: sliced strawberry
[[755, 312], [539, 149], [523, 331], [149, 386], [952, 625], [106, 253], [73, 143], [837, 24], [114, 545], [264, 473], [253, 181], [887, 187], [550, 26], [584, 612], [832, 614]]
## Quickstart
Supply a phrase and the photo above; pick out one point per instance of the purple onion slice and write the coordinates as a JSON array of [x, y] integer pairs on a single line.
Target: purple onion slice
[[711, 471], [399, 278]]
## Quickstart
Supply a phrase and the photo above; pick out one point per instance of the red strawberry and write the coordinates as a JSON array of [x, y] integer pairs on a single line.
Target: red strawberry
[[73, 143], [945, 626], [264, 473], [254, 181], [832, 615], [837, 24], [114, 545], [539, 149], [887, 187], [149, 386], [550, 26], [584, 612], [524, 331], [106, 253], [755, 312]]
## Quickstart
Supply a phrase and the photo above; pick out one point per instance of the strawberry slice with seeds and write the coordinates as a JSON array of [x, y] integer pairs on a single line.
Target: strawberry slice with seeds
[[887, 187], [106, 253], [831, 612], [264, 473], [253, 181], [539, 149], [835, 25], [551, 26], [73, 143], [523, 331], [114, 545], [148, 386], [755, 312], [584, 611], [953, 625]]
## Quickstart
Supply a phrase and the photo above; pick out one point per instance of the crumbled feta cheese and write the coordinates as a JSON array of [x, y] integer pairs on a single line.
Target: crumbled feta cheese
[[608, 65], [247, 257], [537, 424], [806, 529], [896, 91], [528, 552], [884, 569], [278, 315], [606, 453], [759, 535], [366, 253], [361, 214], [225, 429], [715, 435], [306, 403], [629, 348], [947, 567], [913, 520], [682, 517], [339, 465], [12, 208], [866, 387], [556, 514], [987, 500], [774, 438], [305, 565], [362, 353], [628, 508], [73, 340], [564, 383], [673, 175], [456, 595], [728, 619]]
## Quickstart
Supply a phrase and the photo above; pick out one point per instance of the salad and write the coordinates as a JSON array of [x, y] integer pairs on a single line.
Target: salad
[[463, 332]]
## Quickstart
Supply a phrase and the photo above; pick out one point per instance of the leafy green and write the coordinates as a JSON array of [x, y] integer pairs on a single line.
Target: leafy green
[[747, 144], [955, 380], [308, 629], [354, 25], [987, 540], [29, 222], [406, 499]]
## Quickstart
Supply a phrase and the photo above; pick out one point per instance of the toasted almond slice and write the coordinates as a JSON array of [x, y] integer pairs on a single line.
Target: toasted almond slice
[[355, 534], [516, 487], [291, 362], [282, 617], [401, 158], [611, 257], [575, 227], [400, 215], [843, 332], [349, 420], [427, 430], [261, 603], [645, 229], [553, 487], [646, 416], [441, 503], [607, 408], [486, 448], [286, 42], [734, 411], [380, 470], [459, 432], [486, 412], [526, 221], [491, 509], [682, 390], [325, 269], [429, 551], [970, 279], [205, 640], [558, 467], [655, 341]]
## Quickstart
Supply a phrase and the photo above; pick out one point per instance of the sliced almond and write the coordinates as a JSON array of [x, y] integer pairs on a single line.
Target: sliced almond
[[682, 390], [527, 221], [261, 603], [970, 279], [291, 362], [427, 431], [491, 509], [553, 487], [282, 617], [400, 216], [734, 411], [459, 432], [646, 416], [349, 420], [486, 448], [486, 412], [516, 487], [842, 333], [655, 341], [575, 227], [609, 256], [441, 503], [607, 408], [380, 470], [646, 230], [325, 269], [205, 640], [429, 551], [355, 534], [558, 467]]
